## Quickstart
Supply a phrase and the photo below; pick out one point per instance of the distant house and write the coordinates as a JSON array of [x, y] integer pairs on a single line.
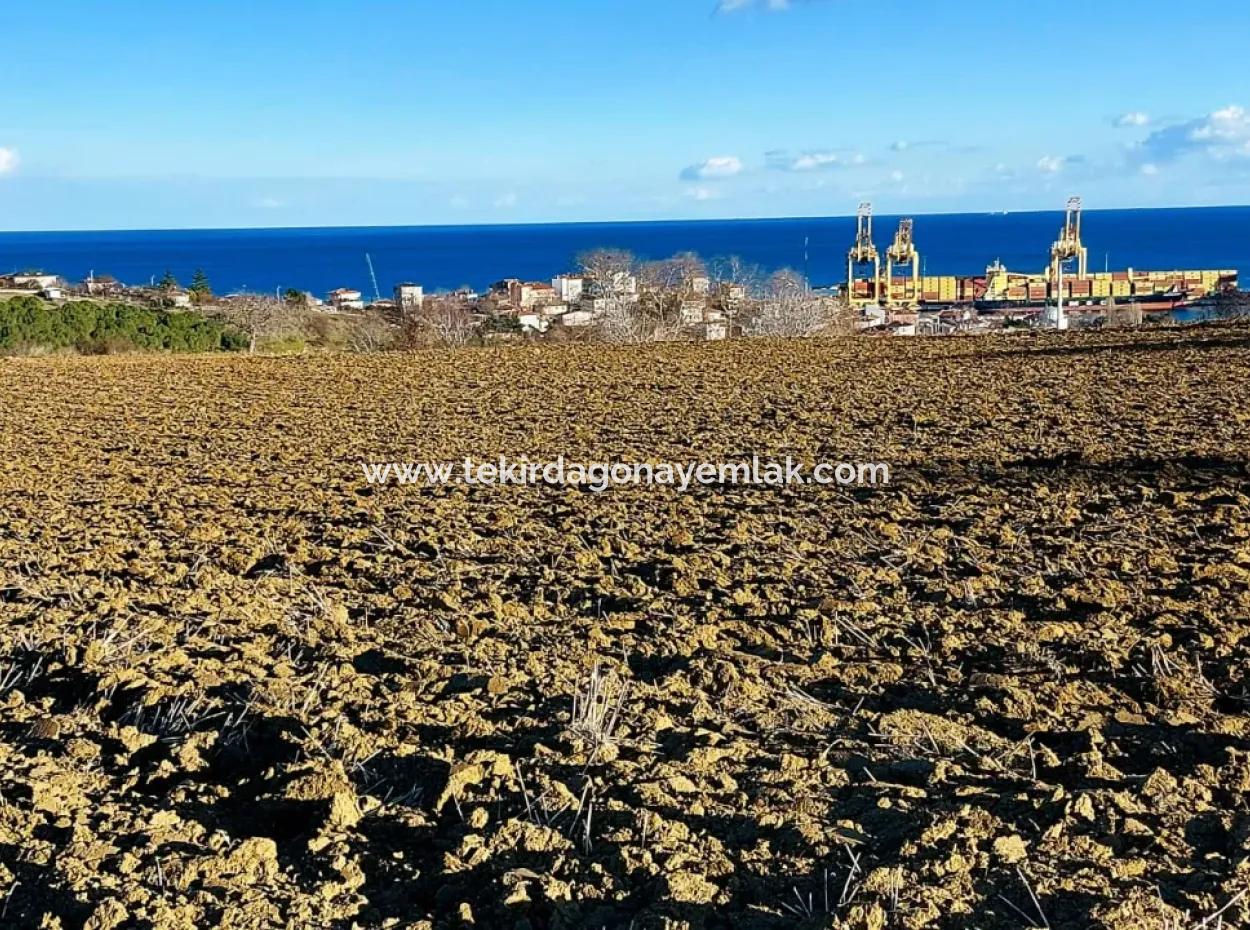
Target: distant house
[[598, 306], [577, 318], [34, 281], [178, 298], [501, 291], [52, 293], [409, 297], [344, 298], [103, 286], [568, 288], [693, 311], [533, 322], [526, 295]]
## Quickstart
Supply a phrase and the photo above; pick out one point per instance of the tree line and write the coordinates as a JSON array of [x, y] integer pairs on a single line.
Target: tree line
[[29, 324]]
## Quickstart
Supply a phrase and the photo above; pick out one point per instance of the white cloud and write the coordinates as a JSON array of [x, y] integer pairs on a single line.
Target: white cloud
[[718, 166], [506, 202], [900, 146], [268, 203], [1222, 134], [8, 160], [733, 6], [1150, 169], [897, 176], [812, 161], [702, 193], [1050, 164], [1132, 119], [1223, 127]]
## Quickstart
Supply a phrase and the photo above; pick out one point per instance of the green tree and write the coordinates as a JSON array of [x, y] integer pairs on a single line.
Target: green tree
[[27, 322], [200, 289], [168, 282]]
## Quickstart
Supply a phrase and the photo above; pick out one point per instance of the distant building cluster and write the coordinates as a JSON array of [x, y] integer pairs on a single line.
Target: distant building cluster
[[614, 297], [572, 302], [578, 301]]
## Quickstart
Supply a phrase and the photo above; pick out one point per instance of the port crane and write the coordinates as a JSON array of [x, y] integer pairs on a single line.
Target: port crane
[[902, 251], [1068, 245], [377, 294], [863, 252]]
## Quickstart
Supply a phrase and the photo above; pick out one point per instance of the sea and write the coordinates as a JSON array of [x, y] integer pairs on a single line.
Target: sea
[[447, 257]]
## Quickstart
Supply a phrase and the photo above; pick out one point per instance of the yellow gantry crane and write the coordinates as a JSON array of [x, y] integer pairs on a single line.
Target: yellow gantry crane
[[863, 252], [902, 251], [1069, 245]]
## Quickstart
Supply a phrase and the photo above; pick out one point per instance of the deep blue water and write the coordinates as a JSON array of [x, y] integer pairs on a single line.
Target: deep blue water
[[444, 257]]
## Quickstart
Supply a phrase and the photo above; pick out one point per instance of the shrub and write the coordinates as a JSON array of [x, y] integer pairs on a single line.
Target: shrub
[[87, 326]]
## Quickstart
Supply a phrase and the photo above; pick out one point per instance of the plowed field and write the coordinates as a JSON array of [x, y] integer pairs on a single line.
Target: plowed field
[[241, 688]]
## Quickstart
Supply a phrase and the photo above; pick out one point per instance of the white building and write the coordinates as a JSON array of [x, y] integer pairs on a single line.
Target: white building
[[577, 318], [624, 284], [345, 299], [693, 312], [533, 322], [569, 288], [409, 297], [35, 282]]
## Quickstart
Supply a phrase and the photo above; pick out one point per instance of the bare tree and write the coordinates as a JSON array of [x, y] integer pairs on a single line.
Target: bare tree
[[625, 323], [673, 274], [663, 285], [606, 271], [786, 283], [660, 277], [733, 271], [371, 333], [789, 310], [258, 316], [440, 322], [622, 324], [737, 287]]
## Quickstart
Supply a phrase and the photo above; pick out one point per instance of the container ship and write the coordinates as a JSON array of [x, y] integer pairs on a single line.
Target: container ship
[[1003, 290]]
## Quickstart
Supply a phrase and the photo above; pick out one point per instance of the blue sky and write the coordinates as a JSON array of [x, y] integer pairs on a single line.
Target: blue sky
[[167, 113]]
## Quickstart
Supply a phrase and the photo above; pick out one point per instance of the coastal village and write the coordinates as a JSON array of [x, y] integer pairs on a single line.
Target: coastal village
[[615, 297], [571, 305]]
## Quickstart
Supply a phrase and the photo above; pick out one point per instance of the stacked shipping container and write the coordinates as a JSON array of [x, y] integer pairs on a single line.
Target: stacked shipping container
[[1036, 289]]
